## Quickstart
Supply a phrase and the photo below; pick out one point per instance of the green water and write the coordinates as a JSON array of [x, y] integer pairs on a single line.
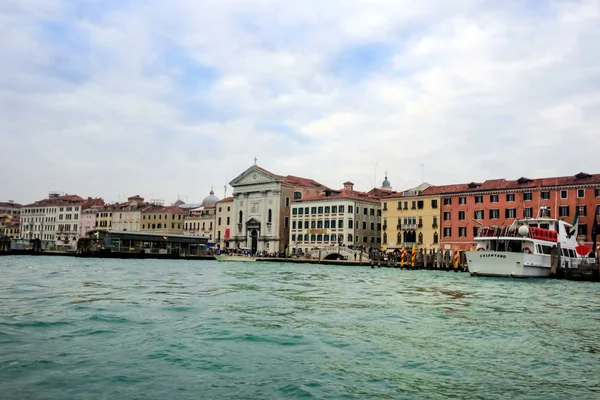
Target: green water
[[150, 329]]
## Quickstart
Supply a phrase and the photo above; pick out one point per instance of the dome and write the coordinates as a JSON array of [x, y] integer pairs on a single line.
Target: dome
[[211, 200], [386, 184]]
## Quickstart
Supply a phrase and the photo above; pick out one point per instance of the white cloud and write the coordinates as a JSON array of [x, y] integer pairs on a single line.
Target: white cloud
[[472, 89]]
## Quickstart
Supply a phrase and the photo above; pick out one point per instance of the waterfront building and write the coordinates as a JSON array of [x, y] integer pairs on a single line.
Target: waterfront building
[[10, 208], [56, 220], [224, 222], [10, 225], [465, 207], [88, 220], [261, 208], [156, 218], [104, 217], [96, 217], [411, 219], [201, 221], [335, 217], [127, 216]]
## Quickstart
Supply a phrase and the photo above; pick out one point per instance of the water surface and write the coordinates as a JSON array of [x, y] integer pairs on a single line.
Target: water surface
[[152, 329]]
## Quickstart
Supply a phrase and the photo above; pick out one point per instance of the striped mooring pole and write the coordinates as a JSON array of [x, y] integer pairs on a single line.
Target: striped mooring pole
[[456, 260]]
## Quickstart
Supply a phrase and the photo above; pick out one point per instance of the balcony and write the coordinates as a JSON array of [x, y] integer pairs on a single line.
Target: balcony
[[410, 226], [434, 225], [398, 227], [420, 225], [384, 227]]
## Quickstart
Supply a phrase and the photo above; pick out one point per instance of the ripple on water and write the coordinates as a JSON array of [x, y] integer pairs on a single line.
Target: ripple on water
[[157, 329]]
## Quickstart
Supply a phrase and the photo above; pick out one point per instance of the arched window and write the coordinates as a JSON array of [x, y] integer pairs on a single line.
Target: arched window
[[340, 238], [306, 238], [384, 237], [313, 238], [349, 238], [420, 237], [326, 238], [241, 217], [435, 238], [319, 238], [270, 216]]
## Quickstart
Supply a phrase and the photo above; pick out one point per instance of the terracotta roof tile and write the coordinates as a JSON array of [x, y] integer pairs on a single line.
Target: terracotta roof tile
[[10, 205], [304, 182], [225, 200]]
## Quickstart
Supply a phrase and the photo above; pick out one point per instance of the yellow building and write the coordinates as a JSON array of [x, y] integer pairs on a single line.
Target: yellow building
[[160, 219], [224, 222], [9, 226], [104, 217], [411, 218]]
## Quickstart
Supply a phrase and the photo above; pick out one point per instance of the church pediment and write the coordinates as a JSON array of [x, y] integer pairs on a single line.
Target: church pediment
[[254, 176]]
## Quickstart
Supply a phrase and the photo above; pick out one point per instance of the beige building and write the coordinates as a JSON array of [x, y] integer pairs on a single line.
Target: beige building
[[161, 219], [127, 216], [224, 223]]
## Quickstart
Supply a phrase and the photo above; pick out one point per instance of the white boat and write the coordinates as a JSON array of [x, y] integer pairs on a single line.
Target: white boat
[[235, 258], [524, 249]]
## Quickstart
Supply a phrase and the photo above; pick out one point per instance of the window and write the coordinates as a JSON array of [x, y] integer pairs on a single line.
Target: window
[[580, 193], [173, 225], [365, 211], [435, 224], [448, 201], [306, 238], [293, 224], [413, 205], [420, 222], [364, 226], [462, 231], [293, 237], [350, 209], [582, 210], [494, 214], [349, 238], [241, 217], [350, 225], [564, 194], [287, 201], [597, 192], [461, 216], [297, 196], [462, 200], [327, 210], [475, 231], [582, 230], [545, 195], [478, 214], [372, 226], [306, 210], [528, 212], [334, 209], [478, 199], [563, 211], [219, 221], [527, 196], [313, 238], [319, 224], [511, 213], [420, 204], [313, 224], [434, 204], [447, 216], [326, 224], [435, 238], [493, 198], [510, 197], [320, 210], [447, 232], [319, 238], [341, 209], [269, 216], [294, 211], [326, 238], [313, 210], [372, 212], [406, 205], [228, 220], [332, 224], [340, 223]]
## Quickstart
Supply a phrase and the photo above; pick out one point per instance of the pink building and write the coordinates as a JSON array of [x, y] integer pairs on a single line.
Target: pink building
[[88, 220]]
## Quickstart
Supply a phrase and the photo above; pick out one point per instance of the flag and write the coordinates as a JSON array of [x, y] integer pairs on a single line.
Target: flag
[[575, 228]]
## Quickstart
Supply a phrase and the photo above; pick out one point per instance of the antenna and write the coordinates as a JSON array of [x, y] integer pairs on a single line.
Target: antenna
[[422, 173], [375, 174], [225, 186]]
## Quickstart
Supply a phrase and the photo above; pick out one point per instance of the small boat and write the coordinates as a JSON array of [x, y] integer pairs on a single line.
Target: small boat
[[235, 258], [524, 249]]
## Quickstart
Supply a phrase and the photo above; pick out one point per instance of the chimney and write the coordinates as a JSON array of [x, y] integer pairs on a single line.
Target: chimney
[[349, 186], [53, 195], [11, 201]]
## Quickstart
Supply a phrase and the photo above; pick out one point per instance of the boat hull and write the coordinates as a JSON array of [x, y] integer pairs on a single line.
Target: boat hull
[[227, 258], [505, 264]]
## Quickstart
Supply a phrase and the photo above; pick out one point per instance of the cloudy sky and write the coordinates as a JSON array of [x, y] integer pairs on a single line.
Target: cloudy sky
[[166, 98]]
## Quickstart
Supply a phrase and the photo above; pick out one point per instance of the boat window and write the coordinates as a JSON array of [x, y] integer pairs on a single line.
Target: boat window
[[565, 252], [572, 252], [546, 249], [515, 246], [533, 225], [545, 226]]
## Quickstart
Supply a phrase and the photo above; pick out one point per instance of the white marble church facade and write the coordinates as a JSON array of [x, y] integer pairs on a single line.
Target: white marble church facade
[[261, 208]]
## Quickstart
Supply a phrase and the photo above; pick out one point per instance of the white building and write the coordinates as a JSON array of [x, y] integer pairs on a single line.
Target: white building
[[336, 217], [127, 216], [261, 208], [56, 221]]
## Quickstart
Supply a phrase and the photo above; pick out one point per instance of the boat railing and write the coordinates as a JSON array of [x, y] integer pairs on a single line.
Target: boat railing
[[512, 231]]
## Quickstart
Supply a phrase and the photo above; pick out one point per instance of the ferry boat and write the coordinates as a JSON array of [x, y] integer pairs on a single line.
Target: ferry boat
[[235, 258], [524, 249]]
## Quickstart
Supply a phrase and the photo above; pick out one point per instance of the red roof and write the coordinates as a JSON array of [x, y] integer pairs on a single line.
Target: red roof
[[225, 200], [304, 182], [67, 199], [378, 193], [341, 194], [10, 205], [521, 183]]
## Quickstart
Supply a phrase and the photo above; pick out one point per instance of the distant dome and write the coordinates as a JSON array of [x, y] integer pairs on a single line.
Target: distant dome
[[386, 184], [211, 200]]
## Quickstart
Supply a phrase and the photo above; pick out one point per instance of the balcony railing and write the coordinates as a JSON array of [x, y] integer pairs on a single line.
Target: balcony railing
[[420, 225], [434, 226], [384, 227]]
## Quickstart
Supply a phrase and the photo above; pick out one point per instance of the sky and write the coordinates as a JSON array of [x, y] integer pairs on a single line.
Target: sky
[[165, 99]]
